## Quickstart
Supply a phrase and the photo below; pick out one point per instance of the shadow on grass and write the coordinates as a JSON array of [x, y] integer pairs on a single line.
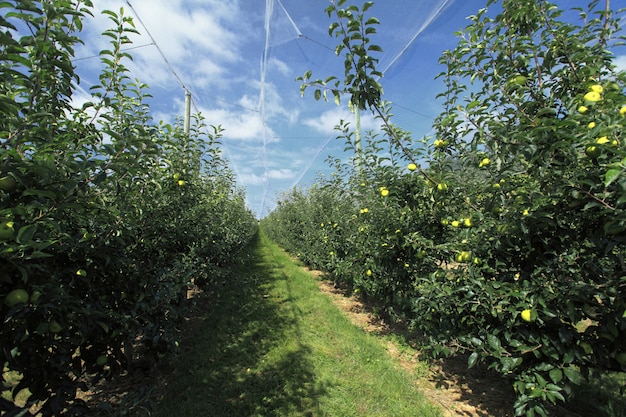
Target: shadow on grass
[[242, 356], [463, 392]]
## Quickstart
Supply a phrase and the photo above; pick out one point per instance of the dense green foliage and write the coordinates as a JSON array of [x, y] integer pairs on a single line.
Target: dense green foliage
[[509, 244], [106, 216]]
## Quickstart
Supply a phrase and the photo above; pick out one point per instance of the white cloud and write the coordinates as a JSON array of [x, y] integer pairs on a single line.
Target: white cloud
[[326, 122], [280, 66], [281, 174], [253, 179], [250, 179], [241, 119], [257, 167], [620, 62], [275, 109], [216, 47], [240, 125], [201, 39]]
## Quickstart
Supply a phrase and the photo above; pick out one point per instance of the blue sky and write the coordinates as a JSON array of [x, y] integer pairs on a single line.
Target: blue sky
[[239, 59]]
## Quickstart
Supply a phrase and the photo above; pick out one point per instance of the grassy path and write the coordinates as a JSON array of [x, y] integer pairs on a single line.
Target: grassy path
[[273, 345]]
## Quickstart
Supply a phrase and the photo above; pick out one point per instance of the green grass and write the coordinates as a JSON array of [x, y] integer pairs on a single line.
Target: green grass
[[273, 345]]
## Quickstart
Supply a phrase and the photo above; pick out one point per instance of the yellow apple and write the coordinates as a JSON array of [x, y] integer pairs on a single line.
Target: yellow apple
[[527, 315]]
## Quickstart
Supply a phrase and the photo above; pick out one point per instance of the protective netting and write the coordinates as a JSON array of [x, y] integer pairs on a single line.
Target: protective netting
[[295, 41], [239, 60]]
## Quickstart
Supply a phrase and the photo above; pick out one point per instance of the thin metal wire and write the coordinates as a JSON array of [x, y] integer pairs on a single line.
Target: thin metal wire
[[122, 50], [167, 62]]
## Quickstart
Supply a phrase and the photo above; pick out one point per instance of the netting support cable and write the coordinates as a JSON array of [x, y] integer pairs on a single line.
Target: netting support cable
[[310, 164], [442, 6], [293, 23], [189, 101], [269, 11], [167, 62], [121, 50]]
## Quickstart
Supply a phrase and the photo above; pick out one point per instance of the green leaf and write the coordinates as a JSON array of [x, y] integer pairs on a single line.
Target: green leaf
[[556, 375], [472, 105], [471, 361], [611, 175], [104, 326], [40, 193], [494, 342], [367, 5], [557, 395], [26, 233], [332, 27], [573, 375], [475, 341]]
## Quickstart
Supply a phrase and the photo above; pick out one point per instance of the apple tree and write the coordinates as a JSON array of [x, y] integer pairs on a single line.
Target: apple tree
[[94, 263], [535, 102], [521, 205]]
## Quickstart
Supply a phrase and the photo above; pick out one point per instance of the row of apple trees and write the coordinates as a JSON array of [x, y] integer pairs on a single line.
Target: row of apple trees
[[504, 235], [106, 216]]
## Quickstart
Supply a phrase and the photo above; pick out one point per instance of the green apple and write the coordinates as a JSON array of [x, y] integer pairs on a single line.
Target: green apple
[[6, 230], [519, 80], [55, 327], [592, 151], [7, 183], [463, 256], [35, 297], [17, 296]]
